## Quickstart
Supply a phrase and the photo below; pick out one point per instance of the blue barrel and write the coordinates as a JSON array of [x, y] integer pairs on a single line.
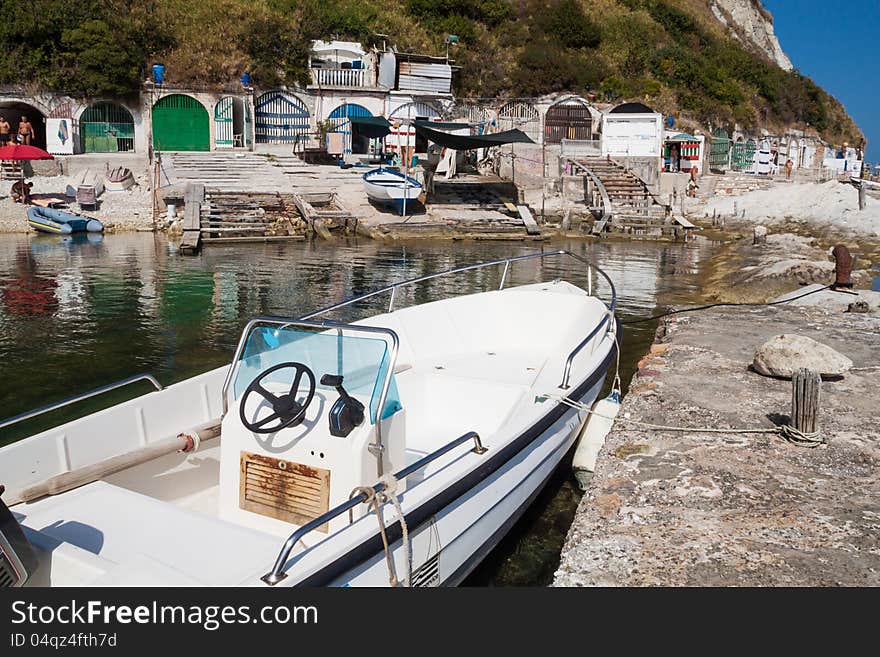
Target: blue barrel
[[158, 73]]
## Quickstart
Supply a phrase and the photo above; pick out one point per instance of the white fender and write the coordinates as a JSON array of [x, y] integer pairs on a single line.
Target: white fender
[[592, 438]]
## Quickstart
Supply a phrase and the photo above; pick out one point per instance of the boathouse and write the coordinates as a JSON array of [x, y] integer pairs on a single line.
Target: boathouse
[[184, 119], [64, 125]]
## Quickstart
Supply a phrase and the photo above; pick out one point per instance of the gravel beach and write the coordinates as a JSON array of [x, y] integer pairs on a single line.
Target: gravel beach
[[129, 210]]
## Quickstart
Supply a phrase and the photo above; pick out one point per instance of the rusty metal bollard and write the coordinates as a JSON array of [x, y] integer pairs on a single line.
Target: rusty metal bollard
[[843, 266]]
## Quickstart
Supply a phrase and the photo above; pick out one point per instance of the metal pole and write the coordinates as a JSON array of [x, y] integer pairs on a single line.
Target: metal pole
[[406, 169]]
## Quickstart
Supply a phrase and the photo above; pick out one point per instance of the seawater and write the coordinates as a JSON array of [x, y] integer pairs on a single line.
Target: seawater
[[77, 313]]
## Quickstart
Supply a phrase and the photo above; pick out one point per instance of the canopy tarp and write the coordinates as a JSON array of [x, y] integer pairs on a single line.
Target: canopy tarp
[[441, 125], [374, 127], [468, 142]]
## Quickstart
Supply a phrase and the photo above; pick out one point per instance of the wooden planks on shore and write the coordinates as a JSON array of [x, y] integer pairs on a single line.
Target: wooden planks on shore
[[193, 197]]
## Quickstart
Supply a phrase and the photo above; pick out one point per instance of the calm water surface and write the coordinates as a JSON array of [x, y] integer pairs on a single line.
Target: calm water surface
[[76, 314]]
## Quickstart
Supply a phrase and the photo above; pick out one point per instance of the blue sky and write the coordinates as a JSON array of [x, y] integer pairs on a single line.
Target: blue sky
[[838, 45]]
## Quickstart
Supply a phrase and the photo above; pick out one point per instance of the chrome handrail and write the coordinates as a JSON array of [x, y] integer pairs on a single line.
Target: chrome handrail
[[76, 398], [376, 448], [277, 573], [505, 261]]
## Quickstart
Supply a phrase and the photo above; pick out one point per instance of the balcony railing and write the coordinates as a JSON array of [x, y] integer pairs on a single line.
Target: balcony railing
[[341, 77]]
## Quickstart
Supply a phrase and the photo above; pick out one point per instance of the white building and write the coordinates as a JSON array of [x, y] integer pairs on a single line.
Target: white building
[[632, 130]]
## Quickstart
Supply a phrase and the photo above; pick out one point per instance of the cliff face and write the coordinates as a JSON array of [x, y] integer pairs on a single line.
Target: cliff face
[[751, 24]]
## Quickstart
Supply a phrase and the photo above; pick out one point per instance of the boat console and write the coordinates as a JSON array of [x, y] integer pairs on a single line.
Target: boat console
[[304, 427]]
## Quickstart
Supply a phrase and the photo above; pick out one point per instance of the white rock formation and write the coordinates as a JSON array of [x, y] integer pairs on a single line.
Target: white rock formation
[[750, 22]]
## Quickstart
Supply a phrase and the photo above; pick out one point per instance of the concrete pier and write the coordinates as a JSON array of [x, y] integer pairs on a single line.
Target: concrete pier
[[697, 508]]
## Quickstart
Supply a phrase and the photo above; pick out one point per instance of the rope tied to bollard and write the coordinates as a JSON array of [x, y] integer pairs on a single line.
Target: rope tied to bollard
[[789, 433]]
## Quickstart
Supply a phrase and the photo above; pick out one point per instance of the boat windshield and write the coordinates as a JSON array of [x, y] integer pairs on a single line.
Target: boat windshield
[[363, 362]]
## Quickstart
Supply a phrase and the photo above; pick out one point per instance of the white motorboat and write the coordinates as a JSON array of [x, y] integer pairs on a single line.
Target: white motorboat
[[391, 187], [293, 465]]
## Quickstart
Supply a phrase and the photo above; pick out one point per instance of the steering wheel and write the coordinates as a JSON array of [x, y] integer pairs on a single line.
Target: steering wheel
[[285, 408]]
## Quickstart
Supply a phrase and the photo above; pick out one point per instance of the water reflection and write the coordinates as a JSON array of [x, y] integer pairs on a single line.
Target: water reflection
[[78, 313]]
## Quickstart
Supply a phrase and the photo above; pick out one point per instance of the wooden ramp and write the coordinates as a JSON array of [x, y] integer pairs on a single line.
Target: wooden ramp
[[321, 210], [526, 215], [237, 217], [193, 197]]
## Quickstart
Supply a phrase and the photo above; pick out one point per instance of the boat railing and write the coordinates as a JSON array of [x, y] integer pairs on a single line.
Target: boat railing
[[392, 289], [277, 573], [507, 262], [80, 397], [376, 448]]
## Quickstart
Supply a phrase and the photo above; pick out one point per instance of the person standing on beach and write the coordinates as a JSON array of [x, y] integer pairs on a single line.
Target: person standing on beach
[[4, 131], [25, 131], [788, 165], [692, 183]]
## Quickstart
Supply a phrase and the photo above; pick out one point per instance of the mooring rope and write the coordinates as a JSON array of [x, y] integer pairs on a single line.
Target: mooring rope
[[373, 500], [789, 433], [733, 305], [390, 492]]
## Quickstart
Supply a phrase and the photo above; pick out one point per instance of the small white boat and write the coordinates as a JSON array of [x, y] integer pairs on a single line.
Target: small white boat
[[391, 187], [292, 465]]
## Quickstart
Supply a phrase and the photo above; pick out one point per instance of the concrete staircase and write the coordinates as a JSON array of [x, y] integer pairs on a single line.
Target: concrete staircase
[[633, 208], [232, 171]]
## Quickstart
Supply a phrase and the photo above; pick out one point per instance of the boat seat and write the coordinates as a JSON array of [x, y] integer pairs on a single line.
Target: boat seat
[[146, 540]]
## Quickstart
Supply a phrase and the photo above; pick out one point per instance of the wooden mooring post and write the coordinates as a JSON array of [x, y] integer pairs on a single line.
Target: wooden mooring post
[[805, 388]]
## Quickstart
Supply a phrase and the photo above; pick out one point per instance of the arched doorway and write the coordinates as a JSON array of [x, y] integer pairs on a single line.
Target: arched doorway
[[523, 116], [568, 119], [230, 123], [12, 111], [180, 123], [407, 134], [106, 128], [280, 118], [339, 119]]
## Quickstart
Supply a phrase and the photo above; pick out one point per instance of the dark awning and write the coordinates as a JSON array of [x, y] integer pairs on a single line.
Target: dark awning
[[374, 127], [468, 142], [440, 125]]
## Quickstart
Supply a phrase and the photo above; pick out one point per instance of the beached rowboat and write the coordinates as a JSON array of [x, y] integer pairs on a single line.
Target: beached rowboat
[[431, 427], [391, 187]]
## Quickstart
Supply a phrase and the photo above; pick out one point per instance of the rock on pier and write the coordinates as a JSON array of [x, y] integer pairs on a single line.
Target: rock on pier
[[697, 508]]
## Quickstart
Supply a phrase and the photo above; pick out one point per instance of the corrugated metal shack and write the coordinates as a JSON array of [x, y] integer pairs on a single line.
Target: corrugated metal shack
[[423, 73]]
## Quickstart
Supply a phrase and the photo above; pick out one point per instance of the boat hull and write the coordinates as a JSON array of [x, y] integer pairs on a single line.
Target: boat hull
[[388, 187], [452, 541], [58, 222], [458, 504]]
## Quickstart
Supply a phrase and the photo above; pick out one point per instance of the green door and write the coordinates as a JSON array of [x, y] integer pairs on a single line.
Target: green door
[[719, 151], [180, 123], [107, 128]]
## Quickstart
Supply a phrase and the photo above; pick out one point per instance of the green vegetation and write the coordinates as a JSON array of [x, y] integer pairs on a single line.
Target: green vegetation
[[671, 54]]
